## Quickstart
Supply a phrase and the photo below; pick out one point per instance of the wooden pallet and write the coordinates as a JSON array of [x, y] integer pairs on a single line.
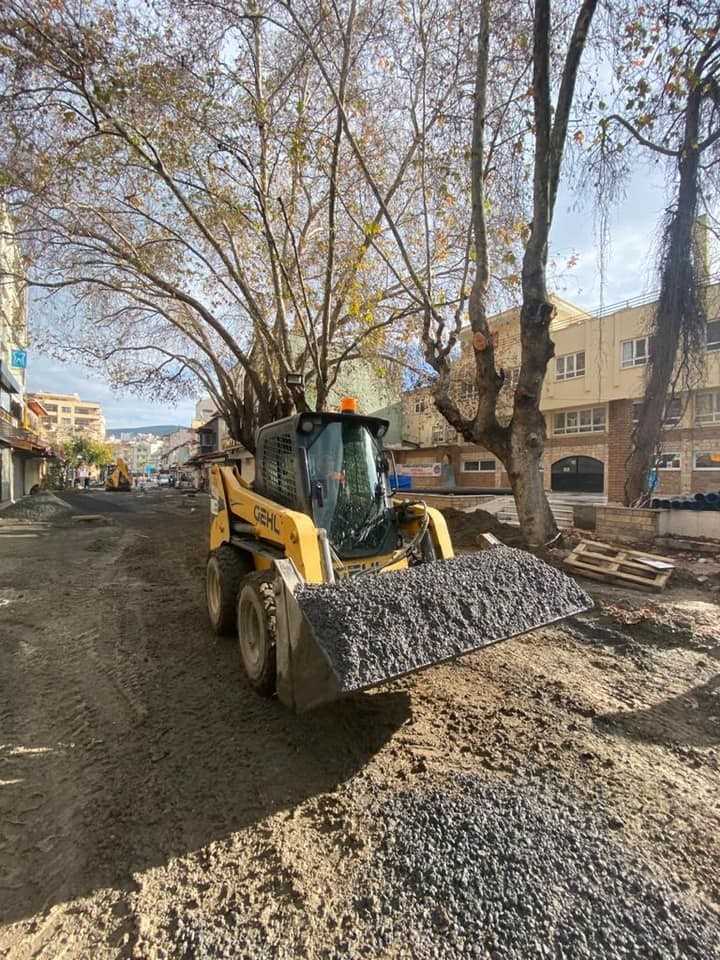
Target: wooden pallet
[[600, 561]]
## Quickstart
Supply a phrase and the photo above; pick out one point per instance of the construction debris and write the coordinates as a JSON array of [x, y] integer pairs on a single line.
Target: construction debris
[[467, 528], [603, 562], [39, 506], [375, 627]]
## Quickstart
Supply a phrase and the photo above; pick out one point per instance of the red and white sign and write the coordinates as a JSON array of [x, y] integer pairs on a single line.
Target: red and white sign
[[420, 469]]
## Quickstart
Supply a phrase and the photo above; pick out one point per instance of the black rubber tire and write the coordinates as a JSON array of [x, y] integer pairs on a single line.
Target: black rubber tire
[[226, 567], [257, 632]]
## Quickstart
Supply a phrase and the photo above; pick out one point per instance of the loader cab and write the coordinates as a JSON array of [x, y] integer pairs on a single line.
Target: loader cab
[[331, 466]]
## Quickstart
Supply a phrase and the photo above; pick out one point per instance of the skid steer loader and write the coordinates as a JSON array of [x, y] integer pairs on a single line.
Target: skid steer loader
[[118, 477], [332, 587]]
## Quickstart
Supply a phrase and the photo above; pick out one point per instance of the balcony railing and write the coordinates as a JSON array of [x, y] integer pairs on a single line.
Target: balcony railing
[[10, 432]]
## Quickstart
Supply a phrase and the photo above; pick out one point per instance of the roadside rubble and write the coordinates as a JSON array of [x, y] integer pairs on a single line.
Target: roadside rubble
[[38, 506]]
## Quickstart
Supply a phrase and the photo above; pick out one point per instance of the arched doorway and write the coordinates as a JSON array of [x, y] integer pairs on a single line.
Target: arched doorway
[[578, 475]]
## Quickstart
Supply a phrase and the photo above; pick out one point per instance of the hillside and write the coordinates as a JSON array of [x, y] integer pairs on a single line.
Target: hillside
[[159, 430]]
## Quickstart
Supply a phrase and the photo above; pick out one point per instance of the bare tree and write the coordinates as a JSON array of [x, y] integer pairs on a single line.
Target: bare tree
[[669, 67], [181, 180], [498, 128]]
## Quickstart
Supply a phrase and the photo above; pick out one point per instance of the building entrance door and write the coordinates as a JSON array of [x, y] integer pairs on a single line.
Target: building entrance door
[[578, 475]]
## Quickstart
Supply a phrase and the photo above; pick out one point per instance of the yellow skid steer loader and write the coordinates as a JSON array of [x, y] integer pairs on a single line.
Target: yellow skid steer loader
[[119, 477], [331, 587]]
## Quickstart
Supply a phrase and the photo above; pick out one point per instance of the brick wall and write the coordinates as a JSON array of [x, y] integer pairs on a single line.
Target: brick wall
[[611, 448], [705, 481], [614, 524], [620, 427], [423, 456], [669, 483], [443, 502]]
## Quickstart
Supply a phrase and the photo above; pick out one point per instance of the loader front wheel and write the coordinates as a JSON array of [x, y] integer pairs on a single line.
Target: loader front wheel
[[226, 567], [257, 631]]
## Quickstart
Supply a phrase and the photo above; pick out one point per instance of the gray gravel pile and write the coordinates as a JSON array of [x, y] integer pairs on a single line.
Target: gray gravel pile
[[472, 871], [40, 506], [378, 626], [498, 872]]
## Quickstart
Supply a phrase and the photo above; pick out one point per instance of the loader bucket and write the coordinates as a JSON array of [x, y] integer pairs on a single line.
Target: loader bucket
[[337, 639]]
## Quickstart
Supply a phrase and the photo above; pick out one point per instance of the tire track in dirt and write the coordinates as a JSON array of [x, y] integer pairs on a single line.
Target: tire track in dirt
[[164, 765], [52, 750]]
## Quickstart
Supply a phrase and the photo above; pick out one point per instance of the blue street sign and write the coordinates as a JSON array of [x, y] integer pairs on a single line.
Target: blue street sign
[[18, 358]]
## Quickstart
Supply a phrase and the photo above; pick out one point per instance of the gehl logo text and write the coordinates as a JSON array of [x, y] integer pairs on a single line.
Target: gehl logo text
[[266, 519]]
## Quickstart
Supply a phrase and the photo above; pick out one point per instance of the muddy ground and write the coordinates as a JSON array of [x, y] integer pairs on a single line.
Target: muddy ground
[[151, 806]]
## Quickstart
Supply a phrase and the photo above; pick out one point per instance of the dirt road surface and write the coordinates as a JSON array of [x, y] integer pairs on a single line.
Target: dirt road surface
[[151, 806]]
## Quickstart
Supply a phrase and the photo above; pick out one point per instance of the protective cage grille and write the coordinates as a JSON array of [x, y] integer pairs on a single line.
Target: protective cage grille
[[278, 469]]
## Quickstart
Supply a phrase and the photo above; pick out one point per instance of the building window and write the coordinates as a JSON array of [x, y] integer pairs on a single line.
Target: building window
[[570, 366], [419, 406], [468, 390], [712, 335], [438, 432], [707, 407], [50, 407], [668, 461], [66, 421], [591, 420], [636, 353], [66, 409], [707, 460], [478, 466], [673, 412]]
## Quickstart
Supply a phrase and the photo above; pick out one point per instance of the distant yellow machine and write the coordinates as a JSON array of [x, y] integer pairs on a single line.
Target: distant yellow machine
[[119, 478], [320, 511]]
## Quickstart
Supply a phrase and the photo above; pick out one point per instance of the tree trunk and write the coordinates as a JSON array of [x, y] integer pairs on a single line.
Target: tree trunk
[[527, 428], [676, 311], [526, 480]]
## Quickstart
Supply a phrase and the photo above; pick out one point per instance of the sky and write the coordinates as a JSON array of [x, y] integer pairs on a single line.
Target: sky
[[120, 410], [628, 273]]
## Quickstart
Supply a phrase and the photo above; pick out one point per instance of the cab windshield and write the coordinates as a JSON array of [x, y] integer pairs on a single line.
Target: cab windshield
[[348, 489]]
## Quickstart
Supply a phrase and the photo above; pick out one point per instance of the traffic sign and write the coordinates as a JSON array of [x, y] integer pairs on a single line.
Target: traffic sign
[[18, 358]]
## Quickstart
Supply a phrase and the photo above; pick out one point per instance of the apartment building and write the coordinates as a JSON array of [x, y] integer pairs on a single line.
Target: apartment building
[[23, 454], [68, 416], [592, 394]]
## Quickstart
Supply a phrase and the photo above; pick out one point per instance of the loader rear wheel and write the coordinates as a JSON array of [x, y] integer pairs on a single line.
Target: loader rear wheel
[[257, 631], [226, 567]]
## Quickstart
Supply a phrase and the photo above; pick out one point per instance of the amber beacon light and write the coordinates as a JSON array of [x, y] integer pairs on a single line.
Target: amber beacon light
[[348, 405]]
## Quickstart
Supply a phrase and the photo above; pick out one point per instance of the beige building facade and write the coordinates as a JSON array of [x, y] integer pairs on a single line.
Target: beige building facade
[[68, 416], [594, 385]]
